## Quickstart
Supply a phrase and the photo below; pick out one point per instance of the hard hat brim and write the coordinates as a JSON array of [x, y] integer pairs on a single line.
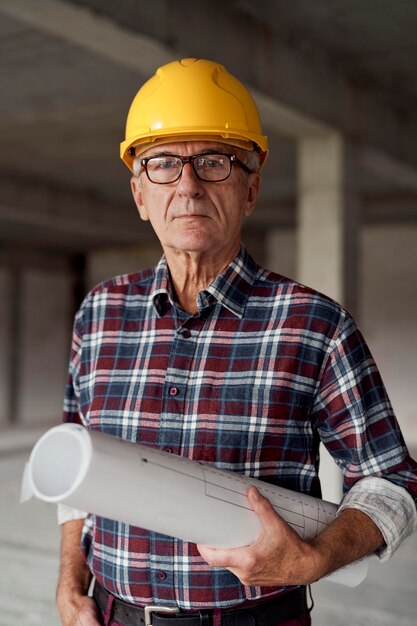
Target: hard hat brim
[[143, 143]]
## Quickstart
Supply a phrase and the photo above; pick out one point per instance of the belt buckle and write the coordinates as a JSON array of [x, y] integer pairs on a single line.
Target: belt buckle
[[154, 608]]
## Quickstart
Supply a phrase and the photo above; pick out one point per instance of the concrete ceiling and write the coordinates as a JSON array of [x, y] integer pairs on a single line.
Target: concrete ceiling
[[69, 70]]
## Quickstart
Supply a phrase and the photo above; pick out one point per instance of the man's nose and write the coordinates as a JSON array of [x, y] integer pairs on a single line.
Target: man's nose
[[189, 184]]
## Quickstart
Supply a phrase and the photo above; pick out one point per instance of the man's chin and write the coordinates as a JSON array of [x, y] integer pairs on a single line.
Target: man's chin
[[195, 240]]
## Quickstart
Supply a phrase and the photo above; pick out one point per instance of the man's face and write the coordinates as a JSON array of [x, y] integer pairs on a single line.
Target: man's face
[[191, 215]]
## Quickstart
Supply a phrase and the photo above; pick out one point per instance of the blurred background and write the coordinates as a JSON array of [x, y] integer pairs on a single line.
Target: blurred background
[[336, 85]]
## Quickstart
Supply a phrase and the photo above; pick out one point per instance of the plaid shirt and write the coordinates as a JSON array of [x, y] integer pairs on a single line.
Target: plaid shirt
[[251, 383]]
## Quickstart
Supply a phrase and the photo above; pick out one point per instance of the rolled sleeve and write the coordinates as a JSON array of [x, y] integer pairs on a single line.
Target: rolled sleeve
[[389, 506], [67, 514]]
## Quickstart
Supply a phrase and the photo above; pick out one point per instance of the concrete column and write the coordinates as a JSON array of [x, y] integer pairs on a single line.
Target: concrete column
[[10, 335], [326, 242], [327, 249], [44, 345], [6, 343]]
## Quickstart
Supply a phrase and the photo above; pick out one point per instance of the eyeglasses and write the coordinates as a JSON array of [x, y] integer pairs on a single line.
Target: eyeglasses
[[211, 167]]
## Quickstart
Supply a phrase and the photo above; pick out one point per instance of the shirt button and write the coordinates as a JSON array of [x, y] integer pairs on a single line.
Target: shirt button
[[173, 391], [186, 334], [162, 575]]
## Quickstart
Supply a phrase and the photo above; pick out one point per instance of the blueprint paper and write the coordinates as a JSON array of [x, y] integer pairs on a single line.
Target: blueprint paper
[[169, 494]]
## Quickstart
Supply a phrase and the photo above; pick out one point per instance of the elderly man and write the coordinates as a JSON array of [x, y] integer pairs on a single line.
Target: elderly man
[[214, 358]]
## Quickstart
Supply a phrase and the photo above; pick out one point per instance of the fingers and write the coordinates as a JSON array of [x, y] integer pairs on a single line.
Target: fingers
[[242, 562], [277, 557], [257, 500], [231, 557], [263, 508], [220, 557]]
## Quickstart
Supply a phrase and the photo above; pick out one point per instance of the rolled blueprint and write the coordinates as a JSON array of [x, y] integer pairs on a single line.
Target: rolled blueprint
[[168, 494]]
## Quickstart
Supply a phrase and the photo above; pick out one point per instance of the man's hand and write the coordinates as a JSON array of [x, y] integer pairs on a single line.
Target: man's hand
[[278, 556], [74, 606], [79, 611]]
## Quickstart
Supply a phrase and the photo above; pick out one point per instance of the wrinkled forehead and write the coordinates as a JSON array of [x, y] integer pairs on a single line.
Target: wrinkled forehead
[[186, 148]]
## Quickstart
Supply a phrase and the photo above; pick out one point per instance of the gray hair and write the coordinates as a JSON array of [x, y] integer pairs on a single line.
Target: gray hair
[[250, 158], [137, 166]]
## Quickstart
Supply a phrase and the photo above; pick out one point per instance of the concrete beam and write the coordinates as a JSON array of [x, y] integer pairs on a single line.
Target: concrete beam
[[395, 207], [285, 120], [394, 171], [18, 257], [82, 27], [398, 207], [297, 95], [74, 220]]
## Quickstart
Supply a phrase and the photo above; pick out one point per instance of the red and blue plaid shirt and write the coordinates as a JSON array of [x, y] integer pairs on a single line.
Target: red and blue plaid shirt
[[251, 383]]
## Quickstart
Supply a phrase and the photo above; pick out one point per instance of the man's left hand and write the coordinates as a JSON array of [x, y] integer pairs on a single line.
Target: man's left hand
[[278, 556]]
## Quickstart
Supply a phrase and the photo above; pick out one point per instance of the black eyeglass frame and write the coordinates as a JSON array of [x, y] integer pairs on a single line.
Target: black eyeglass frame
[[190, 159]]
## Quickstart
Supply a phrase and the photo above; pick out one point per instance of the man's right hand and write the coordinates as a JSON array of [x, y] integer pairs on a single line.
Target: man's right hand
[[80, 611], [75, 607]]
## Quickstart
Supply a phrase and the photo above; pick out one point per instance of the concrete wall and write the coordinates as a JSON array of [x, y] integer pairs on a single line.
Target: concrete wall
[[35, 339], [388, 307]]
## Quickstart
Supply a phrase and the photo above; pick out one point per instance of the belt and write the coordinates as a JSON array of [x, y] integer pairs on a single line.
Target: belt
[[278, 610]]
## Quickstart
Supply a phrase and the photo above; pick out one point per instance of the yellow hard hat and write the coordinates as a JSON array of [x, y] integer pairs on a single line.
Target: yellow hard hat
[[191, 99]]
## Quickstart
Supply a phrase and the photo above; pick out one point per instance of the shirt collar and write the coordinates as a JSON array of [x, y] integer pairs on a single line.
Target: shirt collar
[[162, 290], [231, 288]]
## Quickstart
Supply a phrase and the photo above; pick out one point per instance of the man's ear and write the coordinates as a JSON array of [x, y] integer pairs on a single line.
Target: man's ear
[[137, 193], [254, 184]]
